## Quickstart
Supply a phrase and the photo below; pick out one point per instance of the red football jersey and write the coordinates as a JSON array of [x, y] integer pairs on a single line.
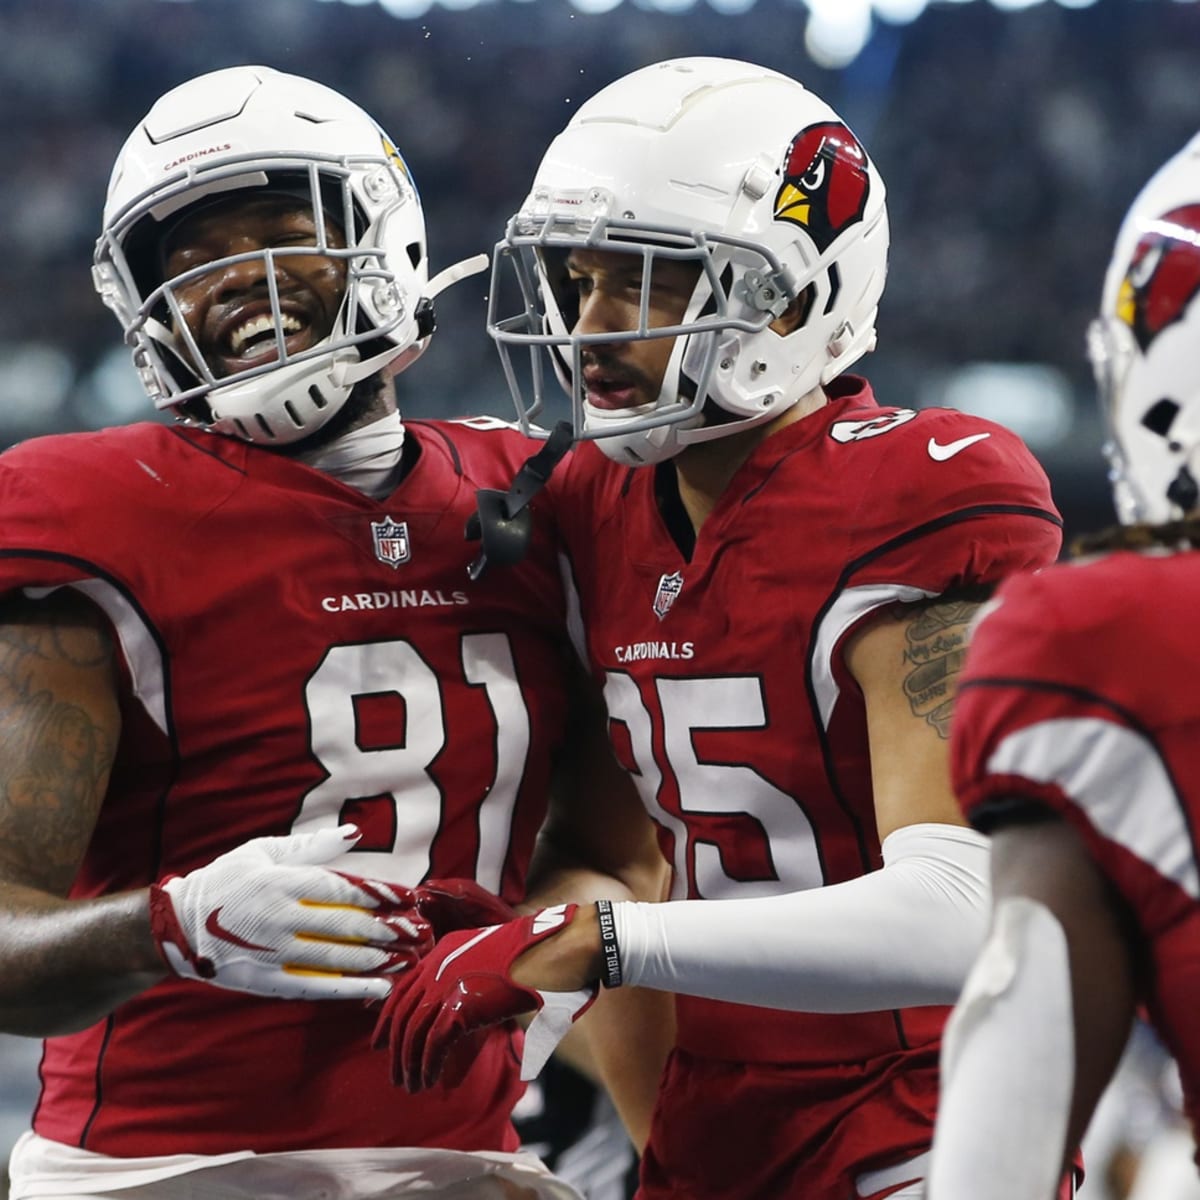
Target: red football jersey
[[1076, 697], [293, 655], [728, 697]]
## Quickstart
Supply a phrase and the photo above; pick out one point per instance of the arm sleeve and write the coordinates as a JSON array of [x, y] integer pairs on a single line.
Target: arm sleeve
[[1008, 1065], [900, 936]]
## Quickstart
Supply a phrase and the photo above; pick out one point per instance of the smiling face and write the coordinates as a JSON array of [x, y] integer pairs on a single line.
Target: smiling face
[[607, 286], [228, 308]]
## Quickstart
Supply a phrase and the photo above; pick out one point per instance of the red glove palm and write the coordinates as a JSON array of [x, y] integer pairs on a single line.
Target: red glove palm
[[450, 904], [434, 1019]]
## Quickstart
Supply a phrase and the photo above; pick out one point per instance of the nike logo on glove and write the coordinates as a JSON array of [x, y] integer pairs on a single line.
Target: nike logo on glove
[[483, 933], [940, 453], [214, 926], [549, 918]]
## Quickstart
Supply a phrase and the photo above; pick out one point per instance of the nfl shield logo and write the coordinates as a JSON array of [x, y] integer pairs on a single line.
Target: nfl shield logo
[[391, 541], [669, 586]]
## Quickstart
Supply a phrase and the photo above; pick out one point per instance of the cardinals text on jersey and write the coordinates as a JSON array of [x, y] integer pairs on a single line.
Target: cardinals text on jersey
[[292, 655], [750, 751]]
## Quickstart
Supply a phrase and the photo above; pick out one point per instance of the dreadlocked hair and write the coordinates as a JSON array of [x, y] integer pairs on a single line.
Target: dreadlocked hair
[[1183, 534]]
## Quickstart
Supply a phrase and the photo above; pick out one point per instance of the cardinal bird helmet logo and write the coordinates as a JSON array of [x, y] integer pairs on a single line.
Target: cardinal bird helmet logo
[[825, 182], [1163, 275]]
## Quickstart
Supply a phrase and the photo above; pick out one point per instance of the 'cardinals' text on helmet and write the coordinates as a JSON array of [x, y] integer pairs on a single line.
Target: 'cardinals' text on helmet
[[1145, 347], [747, 174], [254, 129]]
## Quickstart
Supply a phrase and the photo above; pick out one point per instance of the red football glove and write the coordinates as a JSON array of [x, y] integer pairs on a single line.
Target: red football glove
[[433, 1020], [451, 904]]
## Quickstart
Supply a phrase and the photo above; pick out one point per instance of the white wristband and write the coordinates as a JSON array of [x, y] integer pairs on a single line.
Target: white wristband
[[905, 935]]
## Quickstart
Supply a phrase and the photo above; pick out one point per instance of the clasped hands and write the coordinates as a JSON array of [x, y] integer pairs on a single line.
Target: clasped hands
[[438, 1013], [274, 918], [449, 959]]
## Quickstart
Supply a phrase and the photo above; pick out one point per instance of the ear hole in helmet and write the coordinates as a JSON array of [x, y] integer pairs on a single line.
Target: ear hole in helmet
[[835, 286], [796, 315], [1184, 491], [415, 254], [1160, 416]]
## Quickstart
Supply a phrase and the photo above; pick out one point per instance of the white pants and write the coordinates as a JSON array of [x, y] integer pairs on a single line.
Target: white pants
[[45, 1170]]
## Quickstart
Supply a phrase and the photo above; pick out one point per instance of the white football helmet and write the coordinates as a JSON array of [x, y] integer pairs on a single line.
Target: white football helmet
[[740, 170], [256, 128], [1145, 348]]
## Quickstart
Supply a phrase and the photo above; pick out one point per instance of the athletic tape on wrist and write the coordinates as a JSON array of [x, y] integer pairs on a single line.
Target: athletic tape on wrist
[[610, 951]]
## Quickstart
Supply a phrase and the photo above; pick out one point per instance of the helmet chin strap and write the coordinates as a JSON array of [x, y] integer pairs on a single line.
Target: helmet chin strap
[[502, 522], [348, 374], [710, 433], [451, 275]]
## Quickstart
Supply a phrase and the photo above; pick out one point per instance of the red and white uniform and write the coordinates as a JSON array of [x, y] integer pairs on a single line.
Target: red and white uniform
[[293, 655], [1076, 697], [730, 701]]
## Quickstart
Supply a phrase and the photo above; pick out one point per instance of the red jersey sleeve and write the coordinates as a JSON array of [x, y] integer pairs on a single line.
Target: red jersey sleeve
[[950, 501], [942, 502], [1023, 669], [1070, 701], [45, 536]]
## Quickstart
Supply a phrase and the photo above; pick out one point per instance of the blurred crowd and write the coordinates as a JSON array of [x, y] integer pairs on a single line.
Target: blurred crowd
[[1011, 142]]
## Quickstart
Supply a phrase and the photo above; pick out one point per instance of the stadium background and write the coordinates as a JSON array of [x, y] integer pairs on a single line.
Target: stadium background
[[1011, 135]]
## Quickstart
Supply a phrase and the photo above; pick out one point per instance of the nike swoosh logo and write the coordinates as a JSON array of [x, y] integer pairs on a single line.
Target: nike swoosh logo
[[549, 918], [467, 945], [940, 453], [214, 926]]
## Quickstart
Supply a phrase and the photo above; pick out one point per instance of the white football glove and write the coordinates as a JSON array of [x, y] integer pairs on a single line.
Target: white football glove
[[269, 919]]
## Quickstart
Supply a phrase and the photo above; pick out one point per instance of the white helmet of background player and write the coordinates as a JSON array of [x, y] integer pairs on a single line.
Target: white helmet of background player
[[1145, 347], [741, 170], [248, 128]]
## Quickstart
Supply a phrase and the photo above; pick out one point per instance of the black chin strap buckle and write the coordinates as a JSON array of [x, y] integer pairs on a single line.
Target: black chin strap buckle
[[1184, 492], [425, 316], [502, 522]]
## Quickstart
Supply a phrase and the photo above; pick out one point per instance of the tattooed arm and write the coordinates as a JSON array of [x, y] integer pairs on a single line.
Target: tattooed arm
[[63, 964], [907, 665], [892, 938]]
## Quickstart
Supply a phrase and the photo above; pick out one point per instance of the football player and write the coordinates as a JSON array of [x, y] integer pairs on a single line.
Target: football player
[[251, 697], [1076, 749], [774, 575]]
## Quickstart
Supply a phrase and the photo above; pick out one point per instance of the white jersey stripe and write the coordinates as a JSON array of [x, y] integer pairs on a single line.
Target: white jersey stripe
[[1116, 778], [137, 642], [851, 606]]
